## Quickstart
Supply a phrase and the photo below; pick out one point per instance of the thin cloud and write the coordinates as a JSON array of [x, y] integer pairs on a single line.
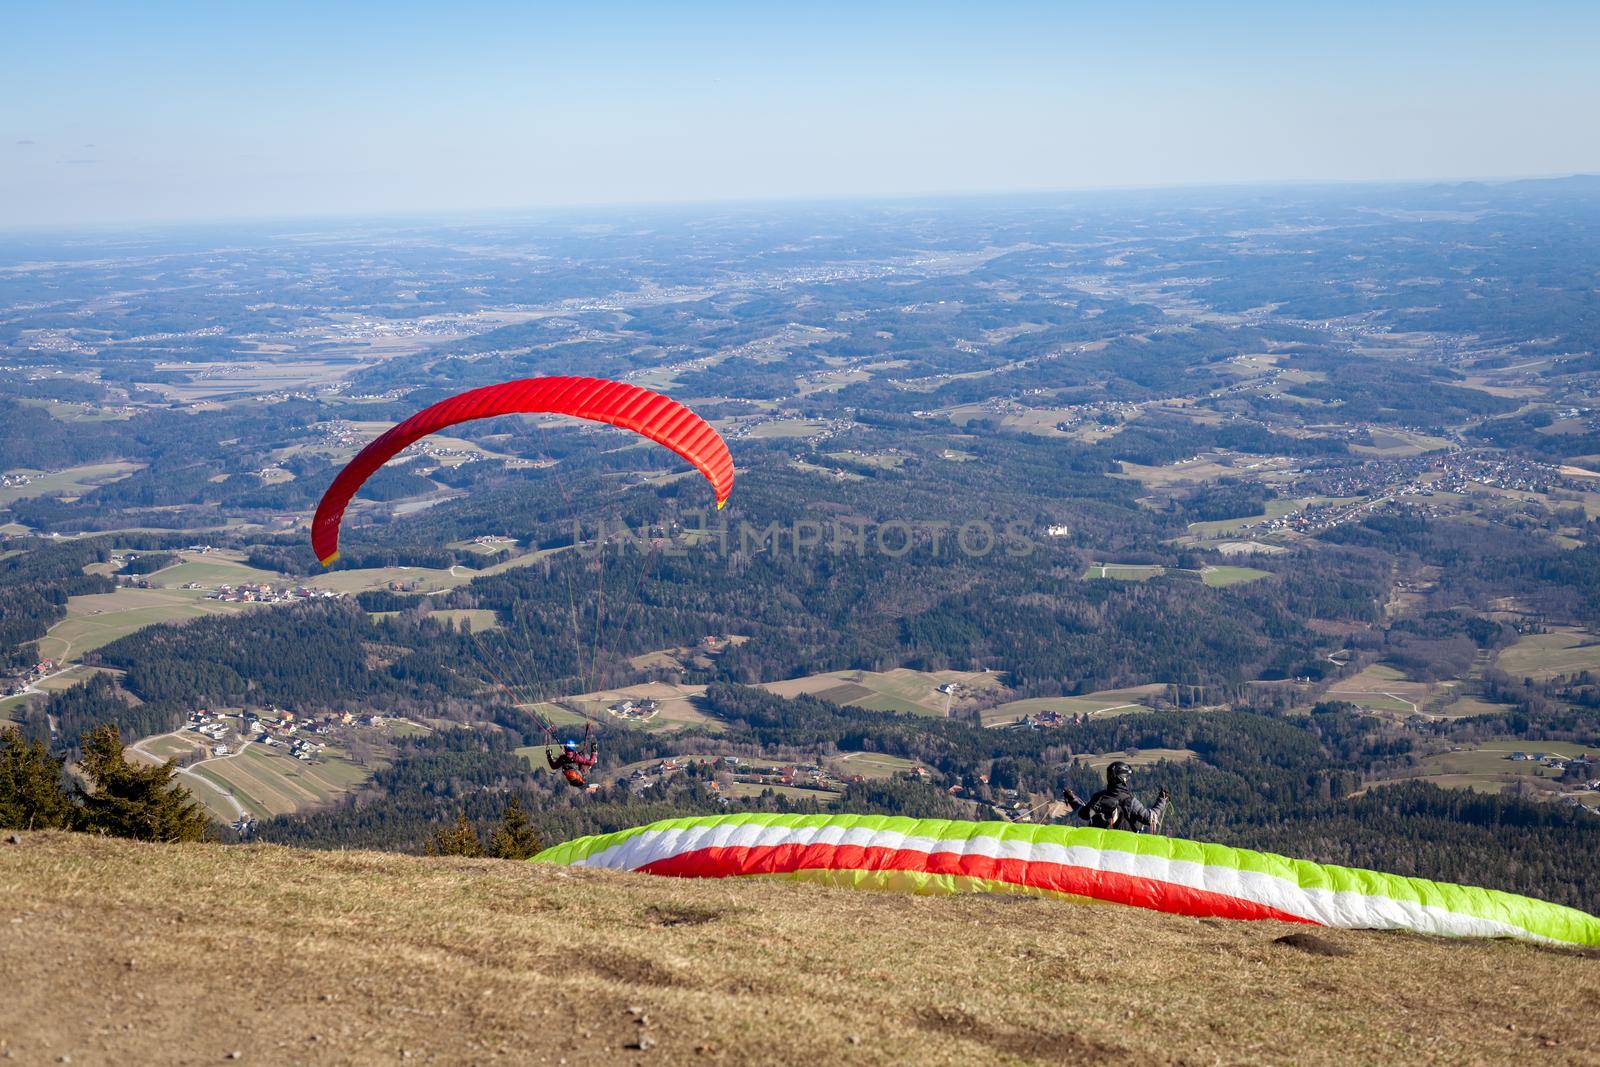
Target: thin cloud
[[24, 143]]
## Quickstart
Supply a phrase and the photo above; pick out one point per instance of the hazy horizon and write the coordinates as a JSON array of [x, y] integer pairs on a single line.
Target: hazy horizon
[[193, 114]]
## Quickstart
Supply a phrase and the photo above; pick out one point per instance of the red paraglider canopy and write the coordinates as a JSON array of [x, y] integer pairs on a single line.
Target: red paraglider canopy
[[630, 407]]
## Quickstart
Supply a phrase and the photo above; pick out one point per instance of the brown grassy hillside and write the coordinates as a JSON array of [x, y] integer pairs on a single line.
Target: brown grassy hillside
[[123, 953]]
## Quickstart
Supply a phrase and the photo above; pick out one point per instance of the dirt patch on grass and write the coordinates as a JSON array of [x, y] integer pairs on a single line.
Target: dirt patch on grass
[[682, 916], [1316, 946], [1028, 1044]]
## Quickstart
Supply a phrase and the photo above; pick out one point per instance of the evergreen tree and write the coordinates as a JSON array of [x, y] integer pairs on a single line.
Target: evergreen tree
[[514, 838], [458, 840], [31, 794], [134, 801]]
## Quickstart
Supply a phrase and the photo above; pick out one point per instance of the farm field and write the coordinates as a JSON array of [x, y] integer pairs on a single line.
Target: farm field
[[682, 658], [1485, 767], [1222, 577], [555, 713], [873, 764], [210, 570], [73, 481], [1543, 656], [1275, 509], [1242, 548], [409, 579], [72, 676], [883, 460], [900, 690], [52, 683], [1400, 443], [1125, 572], [482, 550], [1214, 576], [1096, 705], [1205, 467], [1381, 688], [267, 782], [677, 706], [1465, 708], [793, 792], [100, 618], [476, 619], [787, 428], [1144, 757]]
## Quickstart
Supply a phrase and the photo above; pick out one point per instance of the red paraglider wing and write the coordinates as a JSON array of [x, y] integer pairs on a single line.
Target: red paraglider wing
[[657, 417]]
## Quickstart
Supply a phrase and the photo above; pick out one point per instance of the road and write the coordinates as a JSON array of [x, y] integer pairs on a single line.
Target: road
[[188, 771]]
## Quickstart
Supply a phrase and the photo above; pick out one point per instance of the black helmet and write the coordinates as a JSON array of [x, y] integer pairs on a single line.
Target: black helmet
[[1119, 773]]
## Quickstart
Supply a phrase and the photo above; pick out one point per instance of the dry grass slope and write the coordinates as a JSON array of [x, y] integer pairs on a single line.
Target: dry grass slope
[[125, 953]]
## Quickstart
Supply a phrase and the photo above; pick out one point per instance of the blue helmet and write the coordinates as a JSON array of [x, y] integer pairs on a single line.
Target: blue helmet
[[570, 746]]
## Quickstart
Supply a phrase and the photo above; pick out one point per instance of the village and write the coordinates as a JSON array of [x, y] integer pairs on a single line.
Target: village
[[17, 680], [300, 736], [262, 593]]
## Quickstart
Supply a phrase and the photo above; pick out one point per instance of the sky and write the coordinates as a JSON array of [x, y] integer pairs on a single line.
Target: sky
[[188, 112]]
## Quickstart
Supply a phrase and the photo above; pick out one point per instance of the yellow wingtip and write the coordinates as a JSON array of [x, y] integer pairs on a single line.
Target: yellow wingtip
[[331, 560], [722, 504]]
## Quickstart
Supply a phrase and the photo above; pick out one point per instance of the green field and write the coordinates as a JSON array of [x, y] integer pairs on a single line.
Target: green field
[[882, 460], [100, 618], [1097, 705], [1486, 769], [269, 782], [533, 756], [1543, 656], [900, 690], [795, 792], [477, 619], [788, 428], [10, 705], [1275, 509], [872, 764], [1222, 577], [1141, 758], [74, 481], [1382, 688], [1125, 572], [676, 711], [1375, 702], [210, 571], [1216, 577], [72, 676], [555, 713], [1400, 443], [408, 579]]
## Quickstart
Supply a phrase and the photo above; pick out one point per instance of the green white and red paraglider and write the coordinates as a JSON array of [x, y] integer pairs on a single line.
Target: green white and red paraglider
[[936, 856]]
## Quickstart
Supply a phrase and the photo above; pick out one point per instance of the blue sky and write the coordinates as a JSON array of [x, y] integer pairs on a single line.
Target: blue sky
[[132, 112]]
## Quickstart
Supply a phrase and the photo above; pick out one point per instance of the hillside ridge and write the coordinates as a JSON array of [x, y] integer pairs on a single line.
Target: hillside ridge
[[125, 952]]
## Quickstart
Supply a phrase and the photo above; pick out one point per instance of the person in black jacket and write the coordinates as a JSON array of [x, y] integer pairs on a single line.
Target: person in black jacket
[[1115, 807]]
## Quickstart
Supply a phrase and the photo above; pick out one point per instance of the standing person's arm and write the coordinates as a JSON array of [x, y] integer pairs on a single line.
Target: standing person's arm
[[1075, 804], [1142, 817]]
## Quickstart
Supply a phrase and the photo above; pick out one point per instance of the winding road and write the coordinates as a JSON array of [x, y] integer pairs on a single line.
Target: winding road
[[188, 771]]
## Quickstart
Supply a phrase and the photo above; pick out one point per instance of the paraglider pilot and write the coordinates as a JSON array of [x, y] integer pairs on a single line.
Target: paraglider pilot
[[573, 762], [1115, 807]]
